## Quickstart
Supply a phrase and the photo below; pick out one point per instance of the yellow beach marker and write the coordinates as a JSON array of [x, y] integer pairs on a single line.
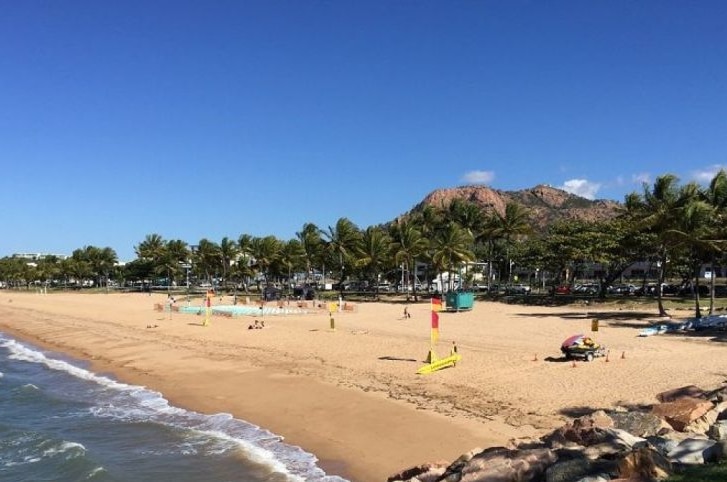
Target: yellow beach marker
[[450, 361], [434, 363]]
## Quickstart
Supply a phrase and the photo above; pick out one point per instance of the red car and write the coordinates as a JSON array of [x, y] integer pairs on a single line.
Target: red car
[[563, 290]]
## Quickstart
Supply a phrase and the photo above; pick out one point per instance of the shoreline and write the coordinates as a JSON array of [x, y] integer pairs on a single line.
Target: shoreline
[[332, 422], [351, 396]]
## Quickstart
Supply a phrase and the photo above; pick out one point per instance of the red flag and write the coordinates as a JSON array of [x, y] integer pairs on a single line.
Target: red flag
[[435, 326]]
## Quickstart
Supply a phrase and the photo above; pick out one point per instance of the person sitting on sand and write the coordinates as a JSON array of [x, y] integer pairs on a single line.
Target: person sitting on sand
[[255, 326]]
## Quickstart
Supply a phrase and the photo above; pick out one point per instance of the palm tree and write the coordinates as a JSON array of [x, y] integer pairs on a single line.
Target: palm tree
[[452, 247], [292, 256], [656, 211], [510, 226], [265, 252], [409, 245], [208, 258], [152, 249], [310, 241], [716, 196], [228, 254], [341, 242], [694, 231], [373, 253]]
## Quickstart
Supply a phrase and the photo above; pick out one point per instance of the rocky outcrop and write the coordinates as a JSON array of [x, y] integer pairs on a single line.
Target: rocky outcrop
[[688, 427], [546, 204]]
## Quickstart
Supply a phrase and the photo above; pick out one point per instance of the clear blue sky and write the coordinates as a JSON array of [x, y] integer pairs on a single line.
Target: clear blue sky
[[212, 119]]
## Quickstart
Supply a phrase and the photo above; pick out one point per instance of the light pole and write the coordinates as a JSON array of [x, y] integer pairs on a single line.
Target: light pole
[[186, 266]]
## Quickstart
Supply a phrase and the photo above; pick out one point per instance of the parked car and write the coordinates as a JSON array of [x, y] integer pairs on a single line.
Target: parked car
[[562, 290], [622, 289], [518, 289], [271, 293], [479, 287], [586, 289]]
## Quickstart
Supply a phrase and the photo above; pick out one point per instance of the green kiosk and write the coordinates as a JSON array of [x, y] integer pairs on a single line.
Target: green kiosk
[[460, 300]]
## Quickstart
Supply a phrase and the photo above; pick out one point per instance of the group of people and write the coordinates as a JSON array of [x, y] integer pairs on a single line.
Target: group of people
[[257, 325]]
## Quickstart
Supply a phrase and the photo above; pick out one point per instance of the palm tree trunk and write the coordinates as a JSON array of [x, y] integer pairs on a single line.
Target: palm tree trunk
[[711, 286], [697, 310], [662, 275]]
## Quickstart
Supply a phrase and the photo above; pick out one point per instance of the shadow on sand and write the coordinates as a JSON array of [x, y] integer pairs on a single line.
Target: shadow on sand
[[396, 358]]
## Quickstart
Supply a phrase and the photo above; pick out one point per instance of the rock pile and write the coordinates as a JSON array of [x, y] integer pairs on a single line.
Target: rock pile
[[688, 426]]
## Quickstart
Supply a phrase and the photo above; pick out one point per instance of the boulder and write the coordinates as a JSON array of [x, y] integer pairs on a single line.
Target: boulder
[[422, 473], [585, 431], [580, 469], [683, 411], [455, 468], [694, 451], [502, 465], [644, 464], [718, 431], [641, 424], [614, 441], [718, 395], [595, 478], [689, 391], [661, 444], [702, 424]]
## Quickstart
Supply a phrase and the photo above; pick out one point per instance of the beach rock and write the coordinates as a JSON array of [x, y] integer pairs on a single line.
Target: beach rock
[[718, 395], [595, 478], [703, 423], [454, 471], [502, 465], [525, 443], [613, 442], [695, 451], [689, 391], [683, 411], [718, 431], [576, 469], [585, 431], [662, 445], [641, 424], [421, 473], [644, 464]]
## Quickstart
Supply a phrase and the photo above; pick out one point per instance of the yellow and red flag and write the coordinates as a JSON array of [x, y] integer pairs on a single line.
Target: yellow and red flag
[[436, 304], [435, 327]]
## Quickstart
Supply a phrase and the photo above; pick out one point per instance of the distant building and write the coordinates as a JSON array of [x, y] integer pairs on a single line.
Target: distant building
[[37, 256]]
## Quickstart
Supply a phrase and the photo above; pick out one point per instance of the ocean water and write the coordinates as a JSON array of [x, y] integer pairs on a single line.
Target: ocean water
[[61, 422]]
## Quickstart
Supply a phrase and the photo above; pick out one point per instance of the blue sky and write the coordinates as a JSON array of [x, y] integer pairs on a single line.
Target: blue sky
[[211, 119]]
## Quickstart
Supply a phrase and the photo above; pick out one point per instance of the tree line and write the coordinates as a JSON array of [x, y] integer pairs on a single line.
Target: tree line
[[677, 227]]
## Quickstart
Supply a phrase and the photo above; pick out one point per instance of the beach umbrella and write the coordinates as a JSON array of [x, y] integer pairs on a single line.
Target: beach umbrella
[[572, 340]]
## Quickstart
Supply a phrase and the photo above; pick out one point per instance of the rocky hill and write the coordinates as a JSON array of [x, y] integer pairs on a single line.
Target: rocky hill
[[545, 203]]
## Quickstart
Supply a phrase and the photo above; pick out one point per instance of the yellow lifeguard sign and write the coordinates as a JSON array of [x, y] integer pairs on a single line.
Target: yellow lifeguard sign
[[438, 364], [435, 363]]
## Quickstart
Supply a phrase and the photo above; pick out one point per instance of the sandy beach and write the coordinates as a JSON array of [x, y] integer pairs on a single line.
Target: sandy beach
[[351, 396]]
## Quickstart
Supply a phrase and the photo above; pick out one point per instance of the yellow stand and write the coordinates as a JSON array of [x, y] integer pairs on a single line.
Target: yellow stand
[[435, 363], [433, 366]]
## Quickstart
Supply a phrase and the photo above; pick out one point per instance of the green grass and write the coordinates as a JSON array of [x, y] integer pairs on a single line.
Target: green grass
[[702, 473]]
